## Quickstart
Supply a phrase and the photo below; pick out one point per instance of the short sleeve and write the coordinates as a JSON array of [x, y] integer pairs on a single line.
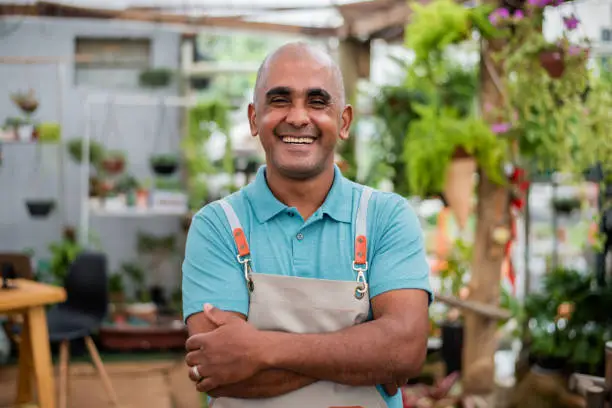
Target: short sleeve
[[211, 273], [398, 260]]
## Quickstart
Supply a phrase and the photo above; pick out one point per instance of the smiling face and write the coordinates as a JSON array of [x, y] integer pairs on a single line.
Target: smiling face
[[299, 112]]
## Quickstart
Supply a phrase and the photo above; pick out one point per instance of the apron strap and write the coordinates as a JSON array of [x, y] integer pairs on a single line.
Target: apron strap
[[242, 246], [239, 238], [360, 261], [361, 241]]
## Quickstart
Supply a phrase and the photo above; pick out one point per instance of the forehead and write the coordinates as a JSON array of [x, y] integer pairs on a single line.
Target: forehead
[[299, 74]]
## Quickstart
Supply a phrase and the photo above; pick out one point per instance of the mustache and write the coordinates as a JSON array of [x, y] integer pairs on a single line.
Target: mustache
[[288, 130]]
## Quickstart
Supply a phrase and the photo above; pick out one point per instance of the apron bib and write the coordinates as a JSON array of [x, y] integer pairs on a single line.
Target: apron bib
[[305, 305]]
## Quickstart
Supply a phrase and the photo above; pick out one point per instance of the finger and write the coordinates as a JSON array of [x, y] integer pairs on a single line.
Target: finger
[[194, 357], [206, 385], [195, 342], [390, 389], [213, 314]]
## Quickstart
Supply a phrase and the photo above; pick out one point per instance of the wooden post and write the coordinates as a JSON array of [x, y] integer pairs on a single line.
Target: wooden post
[[493, 219]]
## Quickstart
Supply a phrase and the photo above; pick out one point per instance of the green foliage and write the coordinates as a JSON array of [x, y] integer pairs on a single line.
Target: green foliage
[[440, 23], [395, 106], [49, 132], [155, 77], [203, 120], [96, 151], [433, 139], [164, 159], [63, 253], [579, 333]]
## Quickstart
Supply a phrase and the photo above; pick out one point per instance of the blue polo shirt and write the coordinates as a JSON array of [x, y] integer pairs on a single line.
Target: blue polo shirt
[[281, 242]]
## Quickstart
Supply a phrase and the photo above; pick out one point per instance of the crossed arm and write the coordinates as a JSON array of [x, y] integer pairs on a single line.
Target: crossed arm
[[387, 350]]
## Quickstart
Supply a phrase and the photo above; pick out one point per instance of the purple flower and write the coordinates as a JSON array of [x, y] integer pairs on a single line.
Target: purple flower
[[498, 128], [571, 22], [518, 15], [498, 15]]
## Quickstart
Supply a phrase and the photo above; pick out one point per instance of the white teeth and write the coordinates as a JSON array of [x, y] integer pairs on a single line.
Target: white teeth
[[290, 139]]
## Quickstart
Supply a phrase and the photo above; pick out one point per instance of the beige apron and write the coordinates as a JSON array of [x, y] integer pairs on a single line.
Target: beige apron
[[306, 305]]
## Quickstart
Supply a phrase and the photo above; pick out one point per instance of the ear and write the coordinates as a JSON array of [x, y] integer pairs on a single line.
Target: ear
[[252, 120], [347, 119]]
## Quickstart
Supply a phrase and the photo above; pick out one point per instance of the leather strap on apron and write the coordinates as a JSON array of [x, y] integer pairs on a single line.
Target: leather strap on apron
[[360, 263]]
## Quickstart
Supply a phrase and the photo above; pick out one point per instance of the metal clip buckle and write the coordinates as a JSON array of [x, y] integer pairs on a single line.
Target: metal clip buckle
[[362, 285], [247, 271]]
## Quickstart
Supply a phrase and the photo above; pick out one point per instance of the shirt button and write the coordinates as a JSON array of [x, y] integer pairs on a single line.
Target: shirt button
[[300, 236], [290, 213]]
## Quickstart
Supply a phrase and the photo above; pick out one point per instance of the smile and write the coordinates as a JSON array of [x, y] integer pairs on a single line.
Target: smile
[[297, 140]]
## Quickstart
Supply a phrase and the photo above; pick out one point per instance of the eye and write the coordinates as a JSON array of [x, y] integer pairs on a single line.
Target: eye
[[319, 103], [279, 100]]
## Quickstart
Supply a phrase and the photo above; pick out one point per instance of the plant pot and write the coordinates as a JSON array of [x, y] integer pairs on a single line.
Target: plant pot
[[459, 185], [452, 345], [40, 208], [25, 132], [164, 169], [113, 166], [553, 62]]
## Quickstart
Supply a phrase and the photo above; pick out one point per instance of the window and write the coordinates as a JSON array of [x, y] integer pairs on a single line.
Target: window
[[111, 62]]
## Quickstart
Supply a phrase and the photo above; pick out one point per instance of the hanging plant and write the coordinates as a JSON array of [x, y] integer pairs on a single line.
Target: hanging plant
[[114, 162], [96, 151], [550, 92], [164, 164], [440, 23], [26, 101], [440, 136]]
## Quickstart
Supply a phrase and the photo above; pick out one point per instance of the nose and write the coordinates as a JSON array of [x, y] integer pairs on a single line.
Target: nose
[[297, 116]]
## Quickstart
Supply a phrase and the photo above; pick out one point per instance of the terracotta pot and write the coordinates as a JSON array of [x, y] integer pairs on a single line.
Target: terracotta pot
[[553, 62], [459, 185], [113, 166]]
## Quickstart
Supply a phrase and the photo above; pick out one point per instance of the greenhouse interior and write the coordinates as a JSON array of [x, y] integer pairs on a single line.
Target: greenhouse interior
[[124, 119]]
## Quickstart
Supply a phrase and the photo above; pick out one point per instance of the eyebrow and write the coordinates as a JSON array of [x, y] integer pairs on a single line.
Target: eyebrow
[[286, 91]]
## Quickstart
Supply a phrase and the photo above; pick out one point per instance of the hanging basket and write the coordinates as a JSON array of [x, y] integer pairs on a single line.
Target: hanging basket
[[40, 208], [164, 165], [553, 62], [459, 185], [113, 165]]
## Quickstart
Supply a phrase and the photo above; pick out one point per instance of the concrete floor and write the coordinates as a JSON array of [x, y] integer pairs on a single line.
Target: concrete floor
[[157, 384]]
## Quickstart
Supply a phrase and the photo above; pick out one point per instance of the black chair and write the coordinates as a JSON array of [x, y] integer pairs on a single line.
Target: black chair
[[81, 315]]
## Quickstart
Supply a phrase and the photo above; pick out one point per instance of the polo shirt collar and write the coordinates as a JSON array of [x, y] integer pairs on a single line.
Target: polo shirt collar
[[337, 204]]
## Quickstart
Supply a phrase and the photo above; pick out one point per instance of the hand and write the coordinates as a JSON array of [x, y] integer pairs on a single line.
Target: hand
[[229, 354]]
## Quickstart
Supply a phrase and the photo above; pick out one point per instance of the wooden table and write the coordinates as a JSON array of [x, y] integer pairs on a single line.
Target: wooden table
[[29, 299]]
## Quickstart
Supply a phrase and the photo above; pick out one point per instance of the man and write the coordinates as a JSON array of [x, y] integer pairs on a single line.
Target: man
[[332, 275]]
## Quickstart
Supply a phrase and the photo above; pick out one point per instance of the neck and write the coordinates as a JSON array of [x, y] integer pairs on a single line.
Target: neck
[[305, 195]]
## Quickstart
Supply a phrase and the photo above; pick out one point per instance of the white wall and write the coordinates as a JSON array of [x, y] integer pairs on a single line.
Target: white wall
[[54, 37]]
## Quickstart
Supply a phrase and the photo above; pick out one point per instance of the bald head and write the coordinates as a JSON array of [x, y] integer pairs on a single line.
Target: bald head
[[300, 52]]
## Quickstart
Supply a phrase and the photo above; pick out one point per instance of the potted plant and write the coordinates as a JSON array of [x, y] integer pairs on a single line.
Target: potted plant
[[164, 164], [453, 278], [49, 132], [155, 77], [566, 205], [114, 162], [116, 288], [442, 152]]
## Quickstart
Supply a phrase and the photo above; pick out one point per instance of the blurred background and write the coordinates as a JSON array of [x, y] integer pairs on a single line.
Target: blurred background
[[120, 119]]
